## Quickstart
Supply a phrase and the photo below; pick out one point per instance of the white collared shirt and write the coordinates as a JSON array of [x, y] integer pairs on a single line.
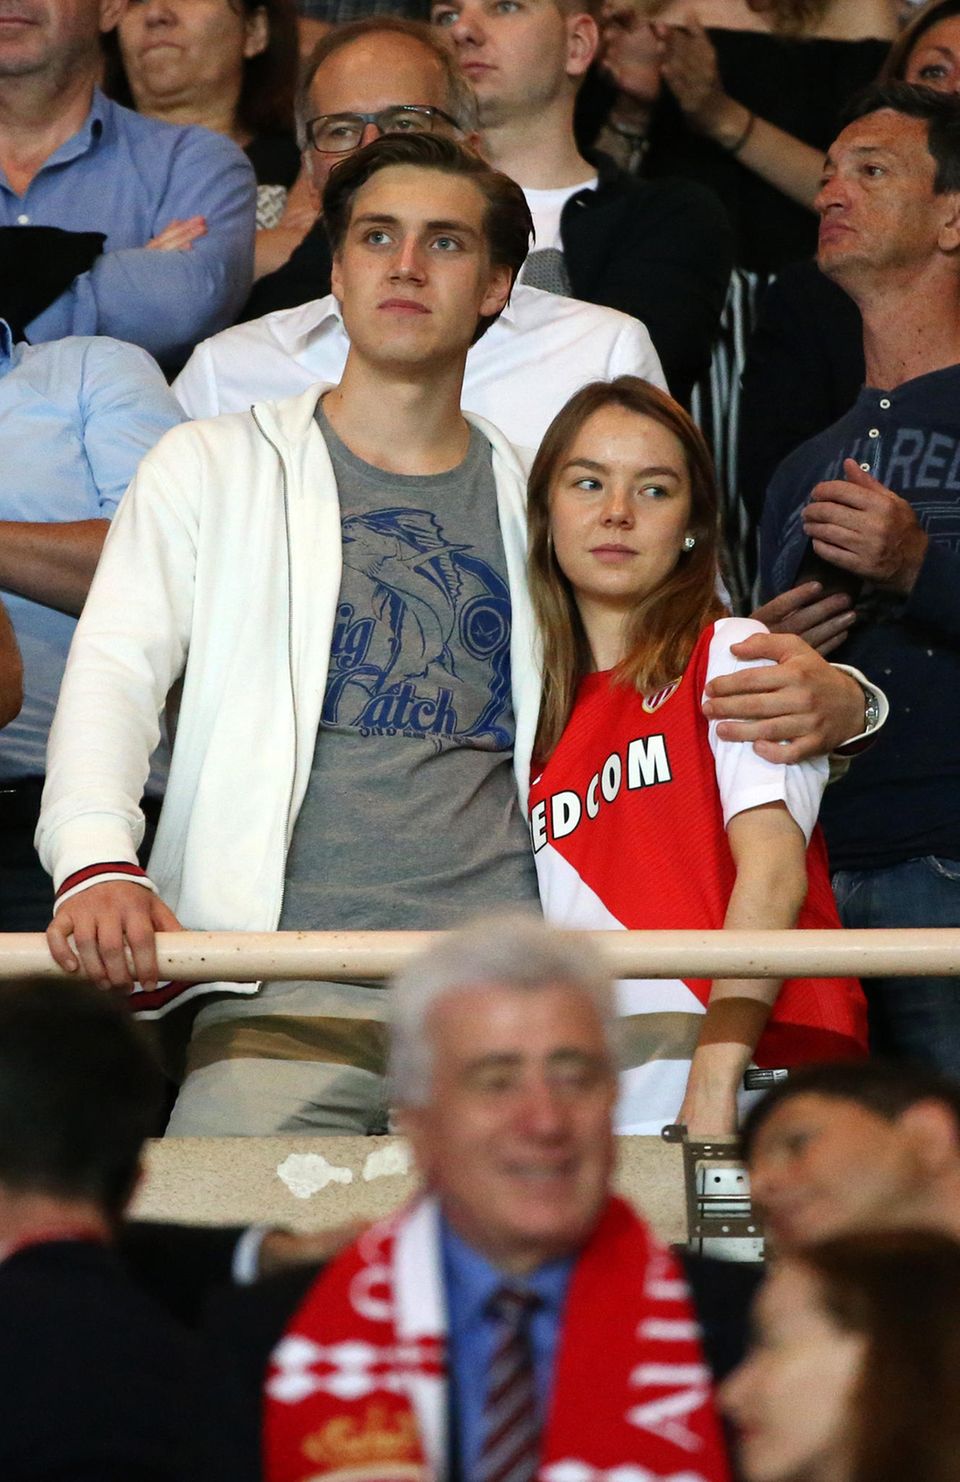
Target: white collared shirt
[[540, 351]]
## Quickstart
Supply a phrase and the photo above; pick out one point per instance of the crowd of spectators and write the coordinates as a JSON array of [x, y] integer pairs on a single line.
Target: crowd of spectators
[[363, 565], [144, 150]]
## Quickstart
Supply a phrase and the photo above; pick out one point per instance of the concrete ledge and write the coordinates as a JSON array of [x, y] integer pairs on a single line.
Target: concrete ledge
[[311, 1183]]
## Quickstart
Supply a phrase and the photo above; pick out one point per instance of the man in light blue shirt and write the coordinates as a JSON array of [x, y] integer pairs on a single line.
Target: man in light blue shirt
[[75, 419], [177, 205]]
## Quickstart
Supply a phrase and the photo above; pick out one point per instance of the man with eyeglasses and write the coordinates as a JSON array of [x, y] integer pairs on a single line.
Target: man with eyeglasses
[[384, 76], [658, 250], [341, 133]]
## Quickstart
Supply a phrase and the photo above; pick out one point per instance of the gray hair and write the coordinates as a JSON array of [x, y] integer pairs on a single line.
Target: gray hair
[[461, 101], [513, 950]]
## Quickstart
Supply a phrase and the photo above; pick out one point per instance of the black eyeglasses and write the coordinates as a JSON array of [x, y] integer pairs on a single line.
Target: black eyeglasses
[[338, 133]]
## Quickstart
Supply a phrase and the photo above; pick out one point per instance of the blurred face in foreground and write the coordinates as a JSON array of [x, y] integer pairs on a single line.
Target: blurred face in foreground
[[517, 1138], [823, 1165], [793, 1398]]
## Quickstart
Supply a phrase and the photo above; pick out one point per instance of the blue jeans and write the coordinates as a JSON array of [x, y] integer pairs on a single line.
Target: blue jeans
[[910, 1018]]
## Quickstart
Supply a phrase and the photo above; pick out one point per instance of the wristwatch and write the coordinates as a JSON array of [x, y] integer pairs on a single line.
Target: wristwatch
[[875, 711]]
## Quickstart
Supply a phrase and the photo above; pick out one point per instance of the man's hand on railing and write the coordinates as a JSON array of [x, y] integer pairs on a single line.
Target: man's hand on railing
[[109, 931]]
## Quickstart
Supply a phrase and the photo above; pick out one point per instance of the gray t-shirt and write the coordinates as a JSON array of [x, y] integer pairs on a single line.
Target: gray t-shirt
[[411, 818]]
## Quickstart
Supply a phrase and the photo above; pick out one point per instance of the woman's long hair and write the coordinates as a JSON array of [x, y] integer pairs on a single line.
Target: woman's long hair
[[664, 625], [901, 1290], [797, 17]]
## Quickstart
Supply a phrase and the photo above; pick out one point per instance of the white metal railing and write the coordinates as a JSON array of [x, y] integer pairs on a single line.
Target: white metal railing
[[199, 956]]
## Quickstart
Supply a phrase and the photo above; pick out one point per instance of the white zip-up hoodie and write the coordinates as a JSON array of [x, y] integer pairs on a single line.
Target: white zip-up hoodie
[[223, 565]]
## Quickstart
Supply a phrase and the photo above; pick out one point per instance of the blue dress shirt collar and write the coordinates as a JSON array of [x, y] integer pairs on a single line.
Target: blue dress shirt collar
[[476, 1280]]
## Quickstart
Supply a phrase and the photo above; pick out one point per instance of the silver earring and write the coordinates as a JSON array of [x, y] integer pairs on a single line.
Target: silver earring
[[689, 541]]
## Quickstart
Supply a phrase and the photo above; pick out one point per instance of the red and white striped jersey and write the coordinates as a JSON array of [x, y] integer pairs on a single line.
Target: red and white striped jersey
[[627, 821]]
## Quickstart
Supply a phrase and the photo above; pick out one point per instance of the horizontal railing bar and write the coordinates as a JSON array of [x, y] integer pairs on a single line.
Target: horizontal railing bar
[[246, 957]]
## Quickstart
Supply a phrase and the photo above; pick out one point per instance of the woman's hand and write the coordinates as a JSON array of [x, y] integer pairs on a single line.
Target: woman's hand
[[769, 852], [630, 52], [689, 67], [707, 1115]]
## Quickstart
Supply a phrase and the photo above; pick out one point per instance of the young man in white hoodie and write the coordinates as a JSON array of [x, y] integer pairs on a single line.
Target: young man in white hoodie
[[338, 581]]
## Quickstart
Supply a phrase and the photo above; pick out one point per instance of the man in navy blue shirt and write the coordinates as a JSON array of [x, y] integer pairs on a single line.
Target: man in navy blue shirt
[[871, 508], [176, 205]]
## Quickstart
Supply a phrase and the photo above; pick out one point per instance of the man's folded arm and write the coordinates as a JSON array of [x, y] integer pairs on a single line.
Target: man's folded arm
[[167, 301]]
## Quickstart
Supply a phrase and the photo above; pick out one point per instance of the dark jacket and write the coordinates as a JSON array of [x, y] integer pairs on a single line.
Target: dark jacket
[[101, 1385], [661, 250]]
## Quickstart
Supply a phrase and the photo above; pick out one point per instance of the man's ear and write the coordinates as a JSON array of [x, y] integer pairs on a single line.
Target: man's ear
[[410, 1122], [948, 237], [336, 279], [583, 40], [111, 12], [136, 1182], [934, 1134], [499, 285], [258, 33]]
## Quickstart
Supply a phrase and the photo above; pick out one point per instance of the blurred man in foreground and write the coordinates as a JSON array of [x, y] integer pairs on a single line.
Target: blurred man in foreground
[[465, 1335], [841, 1148], [100, 1384]]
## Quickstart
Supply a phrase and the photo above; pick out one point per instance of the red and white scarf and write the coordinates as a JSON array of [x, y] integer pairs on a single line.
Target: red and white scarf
[[357, 1387]]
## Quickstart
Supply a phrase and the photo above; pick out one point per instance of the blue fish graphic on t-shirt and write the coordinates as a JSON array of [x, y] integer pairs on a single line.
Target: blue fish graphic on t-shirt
[[404, 553]]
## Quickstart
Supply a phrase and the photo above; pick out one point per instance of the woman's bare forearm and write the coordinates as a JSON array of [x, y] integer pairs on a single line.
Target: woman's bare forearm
[[769, 851]]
